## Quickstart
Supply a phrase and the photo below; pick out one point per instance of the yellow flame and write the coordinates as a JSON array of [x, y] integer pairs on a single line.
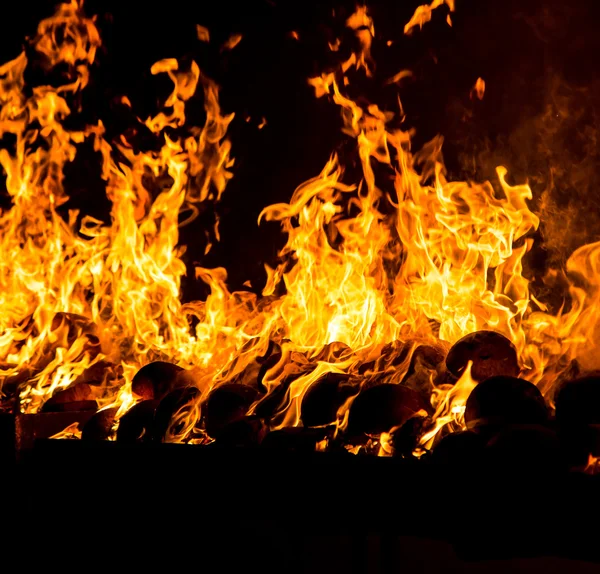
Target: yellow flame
[[71, 432]]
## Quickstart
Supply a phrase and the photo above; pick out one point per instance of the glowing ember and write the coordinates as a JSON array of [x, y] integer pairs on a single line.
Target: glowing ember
[[380, 276], [478, 89]]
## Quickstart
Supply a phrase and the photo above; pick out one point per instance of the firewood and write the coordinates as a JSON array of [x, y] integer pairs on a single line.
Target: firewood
[[325, 396], [226, 404], [100, 372], [249, 431], [78, 397], [100, 425], [405, 439], [183, 401], [492, 354], [427, 365], [136, 423], [429, 354], [383, 407], [275, 401], [501, 401], [155, 380]]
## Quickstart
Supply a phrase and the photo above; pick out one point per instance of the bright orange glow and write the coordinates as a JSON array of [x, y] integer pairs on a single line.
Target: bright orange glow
[[203, 33], [423, 13], [232, 42], [374, 270], [72, 431], [478, 89]]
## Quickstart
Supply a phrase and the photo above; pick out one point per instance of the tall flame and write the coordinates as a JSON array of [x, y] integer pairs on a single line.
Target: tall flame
[[401, 255], [77, 291]]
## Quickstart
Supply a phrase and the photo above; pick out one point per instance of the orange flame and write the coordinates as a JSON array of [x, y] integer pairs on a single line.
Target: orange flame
[[478, 89], [78, 294], [203, 33], [404, 255], [423, 14]]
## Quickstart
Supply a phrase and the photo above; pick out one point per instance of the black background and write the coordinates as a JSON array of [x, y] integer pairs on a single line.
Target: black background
[[539, 115]]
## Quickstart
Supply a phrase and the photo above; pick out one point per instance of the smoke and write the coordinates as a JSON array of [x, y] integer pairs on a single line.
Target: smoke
[[539, 116]]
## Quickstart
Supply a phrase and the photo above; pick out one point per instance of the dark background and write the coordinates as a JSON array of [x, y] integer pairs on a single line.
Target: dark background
[[539, 116]]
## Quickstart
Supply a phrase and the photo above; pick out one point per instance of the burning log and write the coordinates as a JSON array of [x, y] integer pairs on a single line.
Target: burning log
[[278, 397], [325, 396], [492, 355], [176, 415], [136, 423], [384, 407], [253, 372], [501, 401], [77, 397], [9, 385], [427, 363], [405, 439], [275, 401], [99, 427], [430, 355], [226, 404], [155, 380], [100, 372], [19, 432]]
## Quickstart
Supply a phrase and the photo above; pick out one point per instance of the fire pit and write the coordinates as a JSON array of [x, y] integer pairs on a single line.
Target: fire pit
[[399, 337]]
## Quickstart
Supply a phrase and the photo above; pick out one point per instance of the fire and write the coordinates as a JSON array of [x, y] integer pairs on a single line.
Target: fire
[[113, 288], [72, 431], [478, 89], [423, 14], [371, 269]]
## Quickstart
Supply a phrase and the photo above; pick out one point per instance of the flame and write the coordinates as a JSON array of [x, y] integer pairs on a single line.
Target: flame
[[77, 291], [423, 14], [478, 89], [203, 33], [71, 432], [372, 268], [593, 465], [450, 402], [232, 42]]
